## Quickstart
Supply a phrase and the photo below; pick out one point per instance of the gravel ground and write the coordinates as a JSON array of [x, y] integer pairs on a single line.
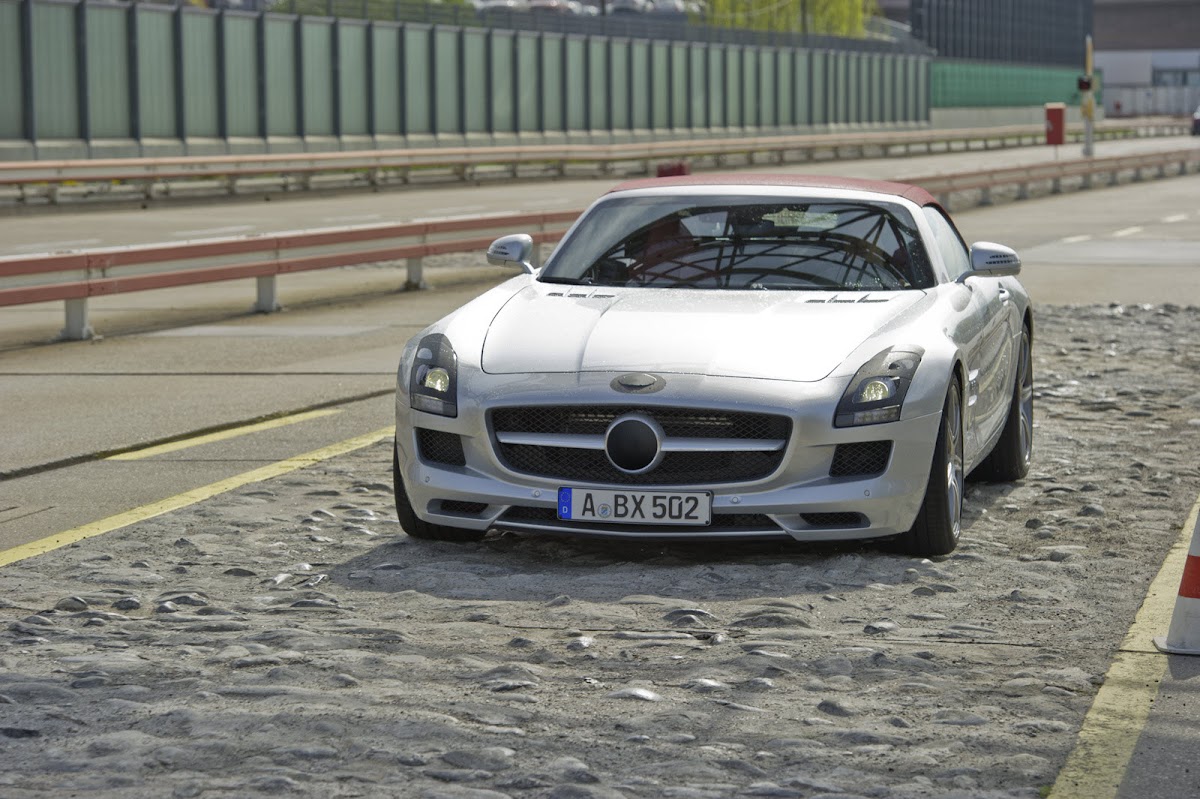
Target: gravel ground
[[288, 638]]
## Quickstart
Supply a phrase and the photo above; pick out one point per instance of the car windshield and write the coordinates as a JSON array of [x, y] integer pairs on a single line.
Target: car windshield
[[743, 243]]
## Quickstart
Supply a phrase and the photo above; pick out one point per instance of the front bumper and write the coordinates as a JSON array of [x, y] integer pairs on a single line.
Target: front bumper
[[799, 500]]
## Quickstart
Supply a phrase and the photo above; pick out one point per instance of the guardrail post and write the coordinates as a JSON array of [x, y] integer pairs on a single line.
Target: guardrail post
[[77, 327], [415, 280], [268, 294]]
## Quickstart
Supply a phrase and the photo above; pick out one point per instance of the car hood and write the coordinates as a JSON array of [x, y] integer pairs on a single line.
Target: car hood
[[801, 336]]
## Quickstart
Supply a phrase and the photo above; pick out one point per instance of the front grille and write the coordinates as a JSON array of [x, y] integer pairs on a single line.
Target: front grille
[[676, 468], [834, 520], [434, 446], [861, 459], [461, 508], [721, 522]]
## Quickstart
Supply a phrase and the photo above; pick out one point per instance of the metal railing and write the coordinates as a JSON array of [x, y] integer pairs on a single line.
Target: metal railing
[[33, 182], [76, 276]]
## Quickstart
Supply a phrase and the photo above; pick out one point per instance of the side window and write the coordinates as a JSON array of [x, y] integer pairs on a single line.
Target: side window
[[954, 253]]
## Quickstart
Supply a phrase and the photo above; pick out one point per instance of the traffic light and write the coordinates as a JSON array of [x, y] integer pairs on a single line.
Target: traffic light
[[1084, 83]]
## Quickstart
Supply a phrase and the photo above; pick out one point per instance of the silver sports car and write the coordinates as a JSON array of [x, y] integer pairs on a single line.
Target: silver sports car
[[724, 357]]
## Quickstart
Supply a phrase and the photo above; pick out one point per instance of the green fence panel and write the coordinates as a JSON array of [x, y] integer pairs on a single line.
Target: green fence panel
[[351, 71], [553, 113], [387, 91], [820, 87], [922, 84], [201, 90], [12, 121], [107, 71], [241, 76], [418, 104], [501, 82], [529, 118], [801, 64], [576, 83], [714, 82], [969, 84], [55, 69], [620, 71], [751, 117], [681, 115], [279, 38], [598, 88], [888, 88], [697, 83], [660, 111], [768, 103], [785, 92], [447, 80], [316, 75], [641, 90], [475, 80], [734, 91]]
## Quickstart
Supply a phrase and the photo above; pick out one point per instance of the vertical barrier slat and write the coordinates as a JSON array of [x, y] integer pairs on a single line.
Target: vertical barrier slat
[[353, 71], [575, 83], [13, 73], [417, 81], [55, 85], [279, 39], [385, 78], [750, 107], [681, 108], [619, 70], [553, 113], [715, 83], [640, 84], [767, 75], [198, 31], [446, 81], [477, 98], [734, 91], [599, 87], [317, 76], [502, 81], [785, 92], [658, 115], [241, 76], [529, 117]]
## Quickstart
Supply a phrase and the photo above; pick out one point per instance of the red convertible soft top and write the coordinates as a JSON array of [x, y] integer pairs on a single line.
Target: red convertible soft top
[[913, 193]]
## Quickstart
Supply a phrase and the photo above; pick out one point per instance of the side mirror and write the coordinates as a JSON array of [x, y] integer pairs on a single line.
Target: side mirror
[[514, 251], [993, 260]]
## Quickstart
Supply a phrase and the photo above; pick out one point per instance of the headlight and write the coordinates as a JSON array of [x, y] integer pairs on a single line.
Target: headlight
[[433, 382], [876, 394]]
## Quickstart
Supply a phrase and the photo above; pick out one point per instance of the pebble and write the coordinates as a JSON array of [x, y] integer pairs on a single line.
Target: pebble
[[325, 652]]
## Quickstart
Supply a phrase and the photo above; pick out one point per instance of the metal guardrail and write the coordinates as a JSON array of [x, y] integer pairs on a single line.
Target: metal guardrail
[[33, 182], [73, 277]]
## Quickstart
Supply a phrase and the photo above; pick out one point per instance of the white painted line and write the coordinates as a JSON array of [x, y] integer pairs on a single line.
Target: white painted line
[[1175, 218], [352, 218], [1129, 231], [458, 209], [1076, 239], [54, 246], [183, 234]]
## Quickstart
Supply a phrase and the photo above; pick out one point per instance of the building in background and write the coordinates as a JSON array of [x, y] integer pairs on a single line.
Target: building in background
[[1149, 51]]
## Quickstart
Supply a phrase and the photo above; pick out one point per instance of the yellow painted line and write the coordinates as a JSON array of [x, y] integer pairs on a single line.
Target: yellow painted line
[[222, 435], [1110, 732], [191, 497]]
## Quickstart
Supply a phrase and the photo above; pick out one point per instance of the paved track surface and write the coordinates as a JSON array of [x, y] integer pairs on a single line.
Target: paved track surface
[[149, 381]]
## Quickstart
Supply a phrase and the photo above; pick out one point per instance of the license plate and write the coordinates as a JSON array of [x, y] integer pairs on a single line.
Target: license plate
[[635, 507]]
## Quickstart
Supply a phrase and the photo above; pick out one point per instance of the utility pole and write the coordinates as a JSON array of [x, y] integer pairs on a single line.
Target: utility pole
[[1088, 100]]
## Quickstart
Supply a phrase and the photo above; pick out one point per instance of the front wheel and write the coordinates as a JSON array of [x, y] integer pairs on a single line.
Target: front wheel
[[413, 525], [1010, 458], [937, 526]]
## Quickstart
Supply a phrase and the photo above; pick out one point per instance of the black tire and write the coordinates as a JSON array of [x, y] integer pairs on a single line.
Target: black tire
[[1010, 458], [937, 526], [421, 529]]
